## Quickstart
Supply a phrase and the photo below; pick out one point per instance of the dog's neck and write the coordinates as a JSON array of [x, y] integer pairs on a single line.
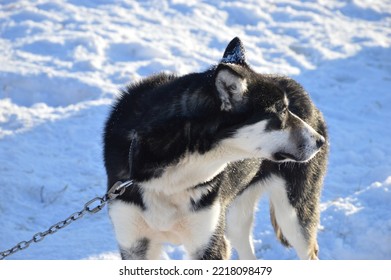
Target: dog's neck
[[193, 169]]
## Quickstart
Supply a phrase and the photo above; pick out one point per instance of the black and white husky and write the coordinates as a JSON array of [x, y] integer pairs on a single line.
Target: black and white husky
[[207, 146]]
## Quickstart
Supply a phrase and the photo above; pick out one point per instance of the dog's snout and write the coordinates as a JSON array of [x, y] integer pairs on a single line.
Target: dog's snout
[[320, 142]]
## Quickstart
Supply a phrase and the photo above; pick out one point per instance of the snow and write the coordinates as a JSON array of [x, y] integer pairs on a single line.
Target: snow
[[63, 62]]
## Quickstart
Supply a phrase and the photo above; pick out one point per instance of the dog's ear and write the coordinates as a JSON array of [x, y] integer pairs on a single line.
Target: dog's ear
[[234, 53], [231, 85]]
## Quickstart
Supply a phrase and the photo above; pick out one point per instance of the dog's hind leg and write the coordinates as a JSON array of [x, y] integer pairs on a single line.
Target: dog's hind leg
[[288, 222], [277, 229], [240, 218], [141, 249], [132, 233]]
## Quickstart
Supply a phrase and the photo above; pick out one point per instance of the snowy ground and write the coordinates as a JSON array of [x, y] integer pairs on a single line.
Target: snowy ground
[[62, 63]]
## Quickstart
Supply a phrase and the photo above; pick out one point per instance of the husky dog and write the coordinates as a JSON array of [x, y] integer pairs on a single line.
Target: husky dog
[[205, 147]]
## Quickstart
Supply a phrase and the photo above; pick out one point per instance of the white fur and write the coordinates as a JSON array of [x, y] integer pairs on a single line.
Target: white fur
[[129, 227], [253, 141], [165, 210], [240, 216], [192, 169], [239, 222], [200, 228], [171, 221]]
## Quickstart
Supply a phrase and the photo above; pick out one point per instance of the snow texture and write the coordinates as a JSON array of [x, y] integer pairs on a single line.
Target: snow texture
[[63, 62]]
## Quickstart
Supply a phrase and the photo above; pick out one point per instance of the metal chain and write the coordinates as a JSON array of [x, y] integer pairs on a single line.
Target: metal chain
[[93, 206]]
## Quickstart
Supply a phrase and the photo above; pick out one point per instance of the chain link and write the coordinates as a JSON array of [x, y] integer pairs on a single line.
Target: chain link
[[93, 206]]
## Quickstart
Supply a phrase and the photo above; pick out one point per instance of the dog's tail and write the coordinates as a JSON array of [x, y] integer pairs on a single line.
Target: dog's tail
[[277, 229]]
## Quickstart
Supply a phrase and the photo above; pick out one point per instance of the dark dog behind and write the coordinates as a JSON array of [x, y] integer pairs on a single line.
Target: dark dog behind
[[208, 145]]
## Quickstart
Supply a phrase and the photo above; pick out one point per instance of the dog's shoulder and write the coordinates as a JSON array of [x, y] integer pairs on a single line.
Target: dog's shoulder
[[142, 90]]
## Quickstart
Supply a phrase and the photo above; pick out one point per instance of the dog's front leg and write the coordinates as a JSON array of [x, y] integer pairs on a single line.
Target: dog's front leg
[[134, 237], [204, 237], [217, 248]]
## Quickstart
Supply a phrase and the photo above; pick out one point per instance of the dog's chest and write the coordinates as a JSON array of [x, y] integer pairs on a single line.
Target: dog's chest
[[169, 198], [169, 212]]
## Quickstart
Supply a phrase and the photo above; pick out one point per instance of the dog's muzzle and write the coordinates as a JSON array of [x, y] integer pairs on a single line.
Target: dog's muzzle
[[302, 152]]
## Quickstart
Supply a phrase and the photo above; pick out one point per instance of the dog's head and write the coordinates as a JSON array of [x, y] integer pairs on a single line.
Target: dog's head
[[270, 129]]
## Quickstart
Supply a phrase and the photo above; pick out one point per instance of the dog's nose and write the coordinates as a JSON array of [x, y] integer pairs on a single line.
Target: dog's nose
[[320, 142]]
